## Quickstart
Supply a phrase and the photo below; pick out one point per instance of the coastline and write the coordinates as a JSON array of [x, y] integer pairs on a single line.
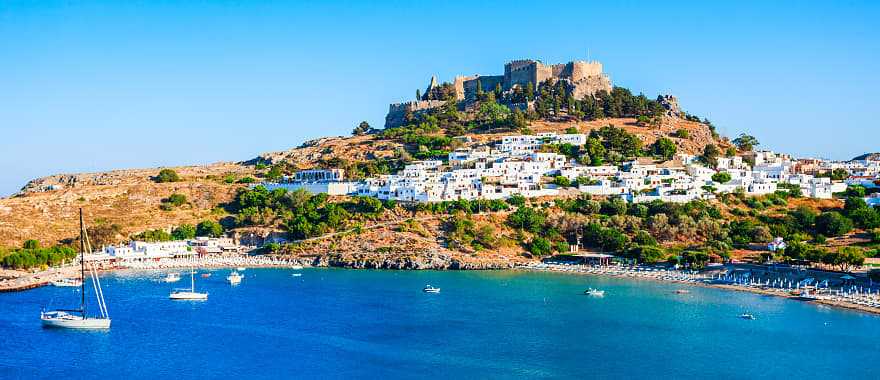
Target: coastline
[[45, 278], [697, 280]]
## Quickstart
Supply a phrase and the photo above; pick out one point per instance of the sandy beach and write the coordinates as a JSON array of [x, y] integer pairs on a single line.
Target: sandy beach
[[863, 302]]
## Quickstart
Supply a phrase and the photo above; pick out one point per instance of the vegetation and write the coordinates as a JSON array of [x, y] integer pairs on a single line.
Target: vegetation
[[167, 175], [32, 256], [721, 177], [745, 143], [174, 200]]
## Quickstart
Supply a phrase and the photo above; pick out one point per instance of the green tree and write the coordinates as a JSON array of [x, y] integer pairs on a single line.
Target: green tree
[[561, 181], [540, 247], [167, 175], [710, 155], [184, 232], [745, 143], [833, 224], [664, 148], [209, 228], [721, 177]]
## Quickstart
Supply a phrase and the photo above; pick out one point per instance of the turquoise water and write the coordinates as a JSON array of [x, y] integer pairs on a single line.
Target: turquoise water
[[333, 323]]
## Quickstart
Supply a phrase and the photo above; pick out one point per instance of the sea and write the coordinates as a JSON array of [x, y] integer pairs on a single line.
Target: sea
[[339, 323]]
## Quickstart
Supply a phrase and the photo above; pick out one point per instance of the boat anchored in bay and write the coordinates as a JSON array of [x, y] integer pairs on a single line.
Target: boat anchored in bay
[[431, 289], [191, 293], [78, 318]]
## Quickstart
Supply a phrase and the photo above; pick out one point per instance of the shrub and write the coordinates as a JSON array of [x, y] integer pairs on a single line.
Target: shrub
[[175, 200], [516, 200], [247, 180], [31, 244], [209, 228], [167, 175], [539, 247], [682, 133], [561, 181], [184, 232], [721, 177], [833, 224]]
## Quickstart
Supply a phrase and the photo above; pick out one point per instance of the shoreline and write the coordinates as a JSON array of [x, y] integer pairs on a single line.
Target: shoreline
[[45, 278], [696, 280]]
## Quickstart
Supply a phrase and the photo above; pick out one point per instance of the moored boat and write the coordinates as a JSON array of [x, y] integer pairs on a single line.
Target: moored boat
[[67, 283], [594, 292], [234, 278], [430, 289], [78, 318], [172, 277], [191, 293]]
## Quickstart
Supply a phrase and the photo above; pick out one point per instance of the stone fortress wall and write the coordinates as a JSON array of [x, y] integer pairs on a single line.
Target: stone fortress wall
[[585, 78]]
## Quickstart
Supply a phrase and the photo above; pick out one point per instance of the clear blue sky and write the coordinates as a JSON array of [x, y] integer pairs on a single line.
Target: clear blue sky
[[89, 85]]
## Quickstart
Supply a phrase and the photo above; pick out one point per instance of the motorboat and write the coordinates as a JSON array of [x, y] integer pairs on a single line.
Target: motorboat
[[67, 283], [594, 292], [206, 275], [172, 277], [297, 275], [682, 291], [431, 289], [240, 269], [234, 278], [748, 316], [296, 267], [79, 318], [805, 296], [191, 293]]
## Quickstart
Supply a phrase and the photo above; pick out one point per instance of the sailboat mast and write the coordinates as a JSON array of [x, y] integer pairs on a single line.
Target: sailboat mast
[[82, 265]]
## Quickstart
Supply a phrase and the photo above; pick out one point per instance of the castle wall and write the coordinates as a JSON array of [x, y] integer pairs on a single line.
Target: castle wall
[[487, 82], [397, 111], [520, 72], [581, 70]]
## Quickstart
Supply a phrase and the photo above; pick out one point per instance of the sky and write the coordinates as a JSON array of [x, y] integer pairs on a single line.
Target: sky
[[100, 85]]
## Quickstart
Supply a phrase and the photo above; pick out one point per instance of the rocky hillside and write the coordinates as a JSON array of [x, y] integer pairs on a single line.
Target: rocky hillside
[[369, 147], [129, 199], [45, 208]]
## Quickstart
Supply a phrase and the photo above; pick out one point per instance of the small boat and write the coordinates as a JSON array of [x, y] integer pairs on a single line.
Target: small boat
[[234, 278], [191, 293], [297, 275], [79, 318], [206, 275], [431, 289], [67, 283], [804, 296], [748, 316], [682, 291], [240, 269], [594, 292], [296, 267], [172, 277]]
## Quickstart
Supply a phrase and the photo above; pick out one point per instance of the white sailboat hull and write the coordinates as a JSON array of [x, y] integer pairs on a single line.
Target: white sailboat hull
[[195, 296], [70, 321]]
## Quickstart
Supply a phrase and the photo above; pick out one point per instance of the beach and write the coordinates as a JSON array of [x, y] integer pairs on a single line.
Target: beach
[[862, 300]]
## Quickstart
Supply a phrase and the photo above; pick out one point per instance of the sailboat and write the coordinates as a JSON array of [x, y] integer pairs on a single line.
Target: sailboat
[[191, 293], [77, 318]]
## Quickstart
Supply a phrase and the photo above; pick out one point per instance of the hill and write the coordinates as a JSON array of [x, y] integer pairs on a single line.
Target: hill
[[45, 208]]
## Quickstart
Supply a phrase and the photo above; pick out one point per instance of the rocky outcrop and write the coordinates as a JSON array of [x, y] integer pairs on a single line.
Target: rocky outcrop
[[410, 261]]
